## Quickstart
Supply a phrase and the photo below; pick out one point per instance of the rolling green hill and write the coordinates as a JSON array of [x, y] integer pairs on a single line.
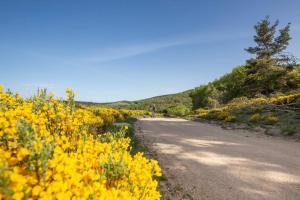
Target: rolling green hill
[[156, 104]]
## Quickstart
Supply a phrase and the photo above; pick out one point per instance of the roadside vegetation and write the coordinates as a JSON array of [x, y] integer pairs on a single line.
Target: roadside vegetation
[[281, 112], [53, 149]]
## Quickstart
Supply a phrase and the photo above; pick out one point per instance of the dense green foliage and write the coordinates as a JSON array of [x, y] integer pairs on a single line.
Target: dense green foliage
[[242, 81], [221, 90], [177, 110]]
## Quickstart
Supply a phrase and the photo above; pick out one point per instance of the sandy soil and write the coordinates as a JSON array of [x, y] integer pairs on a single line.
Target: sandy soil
[[204, 161]]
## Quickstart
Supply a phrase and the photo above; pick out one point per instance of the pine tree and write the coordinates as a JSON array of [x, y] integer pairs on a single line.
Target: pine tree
[[268, 45], [267, 73]]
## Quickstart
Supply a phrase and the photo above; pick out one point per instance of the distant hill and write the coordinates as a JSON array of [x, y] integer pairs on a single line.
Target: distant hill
[[157, 104]]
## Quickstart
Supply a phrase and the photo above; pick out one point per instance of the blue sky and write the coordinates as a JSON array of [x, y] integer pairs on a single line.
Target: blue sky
[[127, 50]]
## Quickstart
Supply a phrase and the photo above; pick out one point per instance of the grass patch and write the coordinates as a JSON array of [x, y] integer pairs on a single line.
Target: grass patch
[[136, 143]]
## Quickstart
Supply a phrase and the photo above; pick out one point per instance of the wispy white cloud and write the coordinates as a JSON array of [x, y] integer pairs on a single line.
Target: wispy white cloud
[[115, 53], [126, 51]]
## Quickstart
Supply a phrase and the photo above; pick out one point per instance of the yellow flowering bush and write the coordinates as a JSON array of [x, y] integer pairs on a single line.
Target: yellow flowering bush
[[267, 119], [216, 114], [126, 113], [256, 118], [271, 119], [110, 115], [50, 149], [238, 107], [279, 99]]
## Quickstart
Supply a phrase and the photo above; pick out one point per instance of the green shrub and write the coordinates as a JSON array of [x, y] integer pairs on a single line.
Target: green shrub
[[288, 130], [214, 114], [256, 109], [206, 96], [230, 118], [177, 110], [221, 115]]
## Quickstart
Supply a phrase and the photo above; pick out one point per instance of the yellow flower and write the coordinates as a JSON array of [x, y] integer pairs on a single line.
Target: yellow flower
[[22, 153], [36, 190], [18, 196]]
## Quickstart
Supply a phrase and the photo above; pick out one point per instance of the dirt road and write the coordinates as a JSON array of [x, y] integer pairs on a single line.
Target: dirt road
[[203, 161]]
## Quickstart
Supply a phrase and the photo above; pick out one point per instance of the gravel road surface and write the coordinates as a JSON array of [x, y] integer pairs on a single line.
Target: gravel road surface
[[203, 161]]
